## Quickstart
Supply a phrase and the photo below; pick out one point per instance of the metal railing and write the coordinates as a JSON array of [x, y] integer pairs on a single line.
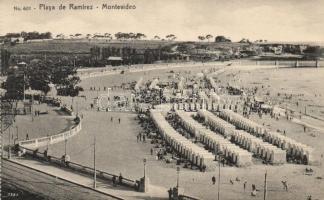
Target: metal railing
[[35, 154]]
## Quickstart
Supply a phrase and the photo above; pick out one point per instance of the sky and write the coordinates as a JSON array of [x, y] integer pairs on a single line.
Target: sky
[[274, 20]]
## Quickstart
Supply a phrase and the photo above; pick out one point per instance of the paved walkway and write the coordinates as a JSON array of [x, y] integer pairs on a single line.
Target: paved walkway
[[155, 192]]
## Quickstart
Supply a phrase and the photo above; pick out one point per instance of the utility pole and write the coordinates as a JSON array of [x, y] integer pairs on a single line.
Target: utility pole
[[144, 162], [94, 163], [65, 142], [9, 150], [17, 132], [218, 187], [178, 172], [265, 186], [1, 135], [24, 86]]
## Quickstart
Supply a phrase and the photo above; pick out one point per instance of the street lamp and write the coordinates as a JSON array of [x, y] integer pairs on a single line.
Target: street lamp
[[65, 142], [17, 132], [9, 150], [94, 163], [178, 172], [144, 162], [218, 187]]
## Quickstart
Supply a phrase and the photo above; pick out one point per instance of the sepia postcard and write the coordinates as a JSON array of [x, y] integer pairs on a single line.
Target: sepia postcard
[[162, 99]]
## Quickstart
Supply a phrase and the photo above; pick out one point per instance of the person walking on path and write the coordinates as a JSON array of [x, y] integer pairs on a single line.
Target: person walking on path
[[114, 180], [111, 119], [170, 193], [120, 179], [213, 180], [285, 185], [119, 120], [244, 185]]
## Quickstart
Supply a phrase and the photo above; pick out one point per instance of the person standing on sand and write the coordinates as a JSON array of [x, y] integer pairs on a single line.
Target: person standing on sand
[[213, 180], [285, 185]]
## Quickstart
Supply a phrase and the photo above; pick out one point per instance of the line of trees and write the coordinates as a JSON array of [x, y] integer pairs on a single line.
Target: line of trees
[[202, 37], [118, 36], [39, 74], [131, 36], [30, 35]]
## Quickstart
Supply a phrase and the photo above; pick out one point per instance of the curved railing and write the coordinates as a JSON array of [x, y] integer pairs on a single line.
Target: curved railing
[[35, 154], [44, 141]]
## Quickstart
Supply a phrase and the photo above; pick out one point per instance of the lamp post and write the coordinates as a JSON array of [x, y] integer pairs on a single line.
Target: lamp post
[[9, 150], [178, 172], [17, 132], [65, 143], [265, 186], [94, 164], [218, 186], [109, 100], [144, 162]]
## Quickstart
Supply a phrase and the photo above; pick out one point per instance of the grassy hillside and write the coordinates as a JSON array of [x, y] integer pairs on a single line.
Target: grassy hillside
[[79, 46]]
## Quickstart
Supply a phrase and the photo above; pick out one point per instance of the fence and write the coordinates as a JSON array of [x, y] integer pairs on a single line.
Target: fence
[[186, 197], [35, 154], [148, 67], [44, 141]]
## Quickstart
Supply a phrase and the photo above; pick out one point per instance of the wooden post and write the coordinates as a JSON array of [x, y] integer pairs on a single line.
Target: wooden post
[[218, 187], [94, 164], [265, 186]]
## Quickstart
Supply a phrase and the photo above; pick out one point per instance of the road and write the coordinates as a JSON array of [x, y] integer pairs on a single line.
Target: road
[[42, 185]]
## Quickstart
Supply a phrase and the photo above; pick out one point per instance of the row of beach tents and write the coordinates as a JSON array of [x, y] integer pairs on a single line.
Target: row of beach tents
[[241, 122], [257, 146], [296, 150], [188, 150], [216, 143]]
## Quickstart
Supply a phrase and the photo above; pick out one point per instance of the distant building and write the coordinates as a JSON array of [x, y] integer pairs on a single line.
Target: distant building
[[4, 61], [38, 40], [115, 60], [18, 40]]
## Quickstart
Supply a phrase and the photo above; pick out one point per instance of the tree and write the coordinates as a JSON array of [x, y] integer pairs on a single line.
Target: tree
[[131, 35], [23, 34], [119, 35], [39, 75], [14, 85], [208, 37], [157, 37], [221, 38], [88, 35], [10, 35], [64, 76], [201, 38], [171, 37], [140, 36]]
